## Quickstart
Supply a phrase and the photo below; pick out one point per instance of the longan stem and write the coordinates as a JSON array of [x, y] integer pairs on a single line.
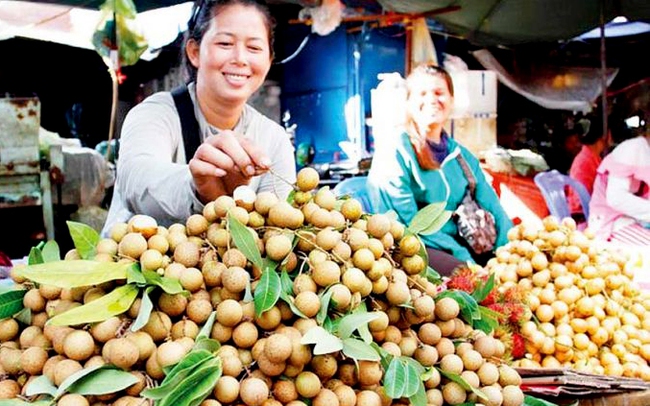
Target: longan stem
[[274, 173]]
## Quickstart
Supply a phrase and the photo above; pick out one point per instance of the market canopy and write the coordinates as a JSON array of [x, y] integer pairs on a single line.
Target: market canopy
[[510, 22], [482, 22]]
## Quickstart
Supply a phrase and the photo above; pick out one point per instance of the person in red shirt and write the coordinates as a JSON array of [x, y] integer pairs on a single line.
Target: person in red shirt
[[585, 164]]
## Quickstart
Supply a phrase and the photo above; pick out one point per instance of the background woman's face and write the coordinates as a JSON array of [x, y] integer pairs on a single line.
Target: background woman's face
[[429, 101]]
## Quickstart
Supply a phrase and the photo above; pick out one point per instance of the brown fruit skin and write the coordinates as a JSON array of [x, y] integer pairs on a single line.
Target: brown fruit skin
[[9, 389], [308, 384], [123, 353], [33, 359], [8, 329], [307, 179], [72, 399], [285, 391], [253, 391], [227, 389], [79, 345]]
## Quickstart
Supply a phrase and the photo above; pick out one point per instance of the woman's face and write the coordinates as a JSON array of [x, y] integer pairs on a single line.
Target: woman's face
[[234, 56], [430, 101]]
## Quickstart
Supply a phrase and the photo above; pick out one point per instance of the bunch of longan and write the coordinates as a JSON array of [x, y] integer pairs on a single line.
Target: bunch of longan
[[588, 313], [328, 246]]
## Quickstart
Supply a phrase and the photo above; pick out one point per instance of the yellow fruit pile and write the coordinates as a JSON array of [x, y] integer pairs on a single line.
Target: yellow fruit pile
[[334, 309], [586, 312]]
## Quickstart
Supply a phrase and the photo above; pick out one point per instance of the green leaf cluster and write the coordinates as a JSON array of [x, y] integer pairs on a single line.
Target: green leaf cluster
[[192, 379], [479, 317], [97, 380]]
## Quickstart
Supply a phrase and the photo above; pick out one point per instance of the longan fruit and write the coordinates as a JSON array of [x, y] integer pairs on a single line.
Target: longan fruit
[[308, 384], [307, 179], [79, 345], [132, 245], [229, 313], [277, 348], [308, 303]]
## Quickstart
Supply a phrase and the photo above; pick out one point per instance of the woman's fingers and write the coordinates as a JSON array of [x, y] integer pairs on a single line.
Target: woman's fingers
[[202, 168], [228, 143], [261, 161]]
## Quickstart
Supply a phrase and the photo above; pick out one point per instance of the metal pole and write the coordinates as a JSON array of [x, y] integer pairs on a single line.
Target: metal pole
[[603, 66]]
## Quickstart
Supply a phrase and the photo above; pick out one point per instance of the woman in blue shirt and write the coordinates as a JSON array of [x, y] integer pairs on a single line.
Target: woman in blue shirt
[[421, 167]]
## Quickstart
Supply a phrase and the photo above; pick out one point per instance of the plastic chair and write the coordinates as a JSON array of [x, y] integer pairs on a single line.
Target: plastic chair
[[354, 187], [552, 184]]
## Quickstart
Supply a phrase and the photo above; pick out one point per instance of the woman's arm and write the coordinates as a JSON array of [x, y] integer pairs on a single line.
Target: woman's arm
[[620, 197], [149, 179]]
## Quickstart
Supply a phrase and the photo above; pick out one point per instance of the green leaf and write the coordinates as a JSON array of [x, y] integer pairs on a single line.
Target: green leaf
[[437, 223], [41, 385], [146, 307], [287, 284], [324, 306], [248, 295], [134, 275], [533, 401], [74, 378], [363, 329], [24, 316], [489, 320], [483, 290], [244, 241], [169, 285], [289, 300], [85, 239], [415, 364], [292, 196], [468, 307], [324, 341], [19, 402], [432, 275], [75, 273], [206, 330], [385, 356], [394, 379], [359, 350], [420, 397], [196, 383], [208, 344], [35, 256], [352, 322], [267, 291], [51, 251], [462, 382], [11, 302], [109, 305], [190, 362], [411, 378], [103, 381], [426, 217]]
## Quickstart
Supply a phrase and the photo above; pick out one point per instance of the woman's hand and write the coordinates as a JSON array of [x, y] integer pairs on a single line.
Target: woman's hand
[[223, 162]]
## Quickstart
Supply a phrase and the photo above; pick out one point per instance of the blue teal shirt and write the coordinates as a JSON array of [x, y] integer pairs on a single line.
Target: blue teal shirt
[[396, 182]]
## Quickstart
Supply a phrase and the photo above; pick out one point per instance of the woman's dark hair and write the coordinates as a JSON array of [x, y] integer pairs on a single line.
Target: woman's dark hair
[[204, 11], [595, 130]]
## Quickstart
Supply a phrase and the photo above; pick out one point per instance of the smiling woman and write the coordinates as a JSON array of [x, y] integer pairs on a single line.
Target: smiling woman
[[228, 53], [426, 165]]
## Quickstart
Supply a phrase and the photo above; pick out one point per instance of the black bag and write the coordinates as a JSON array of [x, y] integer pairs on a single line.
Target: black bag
[[475, 225]]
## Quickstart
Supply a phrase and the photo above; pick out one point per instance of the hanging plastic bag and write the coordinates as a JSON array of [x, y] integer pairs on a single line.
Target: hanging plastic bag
[[117, 31], [422, 49], [325, 18]]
